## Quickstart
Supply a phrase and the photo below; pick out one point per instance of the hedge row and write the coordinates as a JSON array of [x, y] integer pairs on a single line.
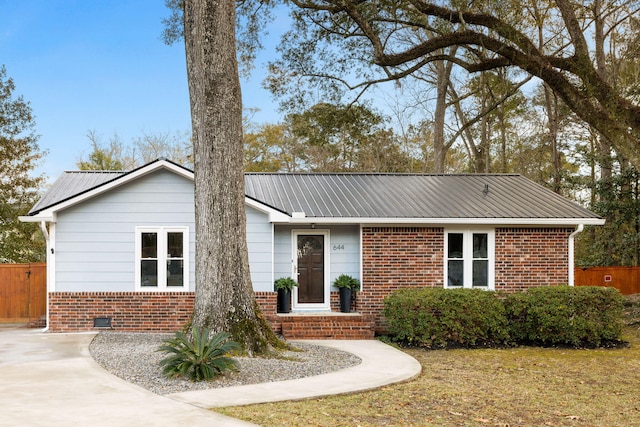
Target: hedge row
[[556, 315]]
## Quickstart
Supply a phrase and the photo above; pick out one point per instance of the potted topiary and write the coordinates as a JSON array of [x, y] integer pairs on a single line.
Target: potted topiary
[[346, 285], [283, 286]]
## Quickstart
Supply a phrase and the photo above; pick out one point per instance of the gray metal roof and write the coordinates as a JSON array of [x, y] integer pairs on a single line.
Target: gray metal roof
[[371, 195], [71, 184], [410, 196]]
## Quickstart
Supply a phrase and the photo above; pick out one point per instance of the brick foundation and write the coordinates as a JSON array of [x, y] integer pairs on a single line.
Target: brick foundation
[[129, 311], [133, 311], [268, 302], [169, 312]]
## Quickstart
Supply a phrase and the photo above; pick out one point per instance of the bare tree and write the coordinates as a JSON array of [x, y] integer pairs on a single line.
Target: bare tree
[[488, 38]]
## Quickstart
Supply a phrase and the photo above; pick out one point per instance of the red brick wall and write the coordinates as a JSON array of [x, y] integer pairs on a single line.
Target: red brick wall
[[268, 302], [133, 311], [398, 257], [169, 312], [129, 311], [344, 327], [527, 257]]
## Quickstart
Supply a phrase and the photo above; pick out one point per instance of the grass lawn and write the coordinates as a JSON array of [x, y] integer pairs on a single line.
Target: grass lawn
[[523, 386]]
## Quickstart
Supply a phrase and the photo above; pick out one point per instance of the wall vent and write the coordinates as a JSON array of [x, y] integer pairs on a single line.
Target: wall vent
[[101, 322]]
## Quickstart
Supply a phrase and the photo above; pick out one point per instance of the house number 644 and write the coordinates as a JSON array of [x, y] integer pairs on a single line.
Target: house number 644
[[338, 247]]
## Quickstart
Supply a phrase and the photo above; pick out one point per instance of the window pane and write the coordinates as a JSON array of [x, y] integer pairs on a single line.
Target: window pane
[[149, 245], [309, 245], [480, 245], [175, 273], [149, 272], [455, 273], [480, 273], [455, 245], [174, 245]]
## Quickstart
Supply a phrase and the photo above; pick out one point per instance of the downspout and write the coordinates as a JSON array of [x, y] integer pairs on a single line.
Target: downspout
[[579, 229], [45, 232]]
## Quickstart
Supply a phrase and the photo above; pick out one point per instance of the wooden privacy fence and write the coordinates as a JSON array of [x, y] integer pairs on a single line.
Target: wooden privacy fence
[[23, 292], [625, 279]]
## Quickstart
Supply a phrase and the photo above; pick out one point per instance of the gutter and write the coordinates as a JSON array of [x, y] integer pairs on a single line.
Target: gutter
[[43, 228], [45, 232], [572, 236], [301, 218]]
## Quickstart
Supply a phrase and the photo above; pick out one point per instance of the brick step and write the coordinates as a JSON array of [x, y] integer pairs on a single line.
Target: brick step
[[329, 326]]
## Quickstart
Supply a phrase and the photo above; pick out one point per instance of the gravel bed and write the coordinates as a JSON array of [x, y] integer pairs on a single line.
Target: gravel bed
[[134, 358]]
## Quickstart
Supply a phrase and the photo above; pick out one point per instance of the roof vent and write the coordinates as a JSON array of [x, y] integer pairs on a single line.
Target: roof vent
[[486, 189]]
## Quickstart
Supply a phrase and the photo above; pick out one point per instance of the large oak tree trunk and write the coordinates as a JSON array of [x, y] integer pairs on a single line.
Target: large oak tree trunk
[[224, 298]]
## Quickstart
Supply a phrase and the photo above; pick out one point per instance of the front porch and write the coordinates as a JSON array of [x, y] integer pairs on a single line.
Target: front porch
[[318, 325], [324, 326]]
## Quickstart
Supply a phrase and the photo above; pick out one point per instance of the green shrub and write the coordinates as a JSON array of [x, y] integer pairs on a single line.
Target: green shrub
[[563, 315], [346, 281], [436, 317], [200, 358], [285, 283]]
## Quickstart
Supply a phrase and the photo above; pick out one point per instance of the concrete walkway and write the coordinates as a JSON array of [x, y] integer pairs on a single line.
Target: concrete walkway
[[381, 365], [50, 379]]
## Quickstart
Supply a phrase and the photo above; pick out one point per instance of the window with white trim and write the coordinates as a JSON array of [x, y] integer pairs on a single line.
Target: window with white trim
[[469, 259], [162, 258]]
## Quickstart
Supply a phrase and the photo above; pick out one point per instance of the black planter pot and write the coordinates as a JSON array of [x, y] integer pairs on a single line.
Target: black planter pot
[[284, 301], [345, 300]]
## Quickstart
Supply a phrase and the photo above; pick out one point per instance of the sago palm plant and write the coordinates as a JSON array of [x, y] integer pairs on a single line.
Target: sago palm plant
[[200, 358]]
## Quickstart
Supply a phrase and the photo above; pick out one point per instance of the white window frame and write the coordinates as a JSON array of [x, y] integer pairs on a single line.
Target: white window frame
[[467, 257], [162, 258]]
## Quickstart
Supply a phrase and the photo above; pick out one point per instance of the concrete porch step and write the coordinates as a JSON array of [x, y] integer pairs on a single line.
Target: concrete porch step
[[326, 326]]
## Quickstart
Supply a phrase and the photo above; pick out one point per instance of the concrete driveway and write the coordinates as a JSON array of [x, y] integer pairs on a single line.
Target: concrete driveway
[[51, 380]]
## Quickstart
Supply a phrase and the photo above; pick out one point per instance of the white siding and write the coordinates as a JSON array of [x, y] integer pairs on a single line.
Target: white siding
[[95, 240], [260, 245], [282, 257], [344, 250]]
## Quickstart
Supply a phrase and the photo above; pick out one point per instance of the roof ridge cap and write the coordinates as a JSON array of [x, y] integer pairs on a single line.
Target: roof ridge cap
[[95, 171], [380, 174]]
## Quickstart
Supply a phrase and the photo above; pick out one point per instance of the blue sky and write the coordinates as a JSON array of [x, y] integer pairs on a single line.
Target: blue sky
[[100, 65]]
